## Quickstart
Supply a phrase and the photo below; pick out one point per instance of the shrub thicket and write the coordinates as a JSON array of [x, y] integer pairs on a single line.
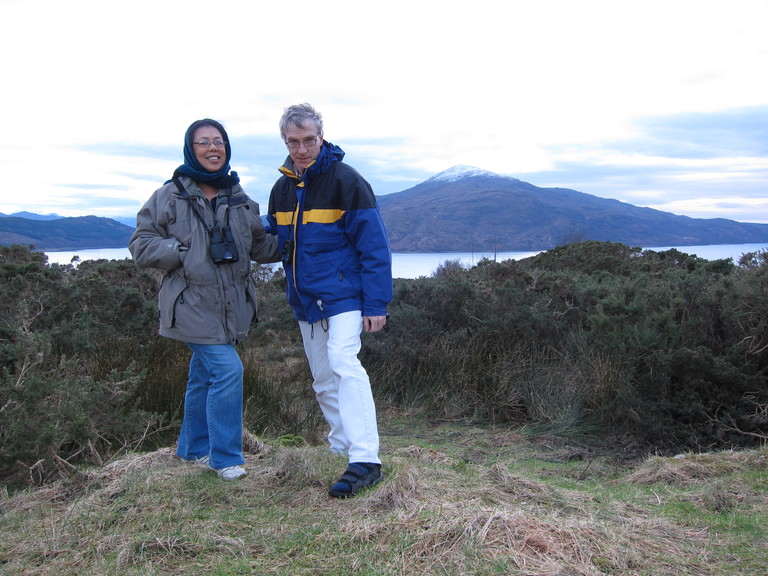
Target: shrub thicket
[[665, 348], [84, 375], [67, 391]]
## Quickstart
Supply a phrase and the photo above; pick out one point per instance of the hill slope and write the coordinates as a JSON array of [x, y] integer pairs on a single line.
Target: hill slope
[[475, 501], [459, 210], [470, 210], [65, 233]]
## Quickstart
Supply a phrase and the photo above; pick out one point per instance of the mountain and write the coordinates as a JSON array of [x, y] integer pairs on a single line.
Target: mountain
[[466, 209], [462, 209], [64, 233], [31, 216], [127, 220]]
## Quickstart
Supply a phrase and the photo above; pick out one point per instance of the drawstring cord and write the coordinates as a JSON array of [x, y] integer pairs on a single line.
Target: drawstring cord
[[324, 324]]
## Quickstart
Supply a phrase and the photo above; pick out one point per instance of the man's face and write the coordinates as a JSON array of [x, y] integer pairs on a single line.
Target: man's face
[[303, 145]]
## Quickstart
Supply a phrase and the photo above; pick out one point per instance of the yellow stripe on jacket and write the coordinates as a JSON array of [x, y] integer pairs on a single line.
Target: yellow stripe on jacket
[[317, 216]]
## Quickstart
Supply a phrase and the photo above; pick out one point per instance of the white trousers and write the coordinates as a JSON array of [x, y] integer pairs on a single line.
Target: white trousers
[[341, 385]]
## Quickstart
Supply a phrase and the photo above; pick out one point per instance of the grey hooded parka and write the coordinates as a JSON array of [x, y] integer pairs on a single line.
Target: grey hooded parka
[[199, 301]]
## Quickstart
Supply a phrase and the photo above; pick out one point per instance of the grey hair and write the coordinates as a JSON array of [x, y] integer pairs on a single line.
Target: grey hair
[[297, 115]]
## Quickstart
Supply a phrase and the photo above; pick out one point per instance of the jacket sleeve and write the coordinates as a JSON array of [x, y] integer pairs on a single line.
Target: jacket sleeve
[[366, 231], [271, 224], [264, 245], [152, 246]]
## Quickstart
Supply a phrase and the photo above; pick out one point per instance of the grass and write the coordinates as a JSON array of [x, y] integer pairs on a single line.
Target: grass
[[456, 500]]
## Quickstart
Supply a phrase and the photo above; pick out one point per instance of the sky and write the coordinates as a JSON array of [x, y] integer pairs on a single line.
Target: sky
[[659, 103]]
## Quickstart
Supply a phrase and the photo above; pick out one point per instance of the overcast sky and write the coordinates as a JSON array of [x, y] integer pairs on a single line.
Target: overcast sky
[[660, 103]]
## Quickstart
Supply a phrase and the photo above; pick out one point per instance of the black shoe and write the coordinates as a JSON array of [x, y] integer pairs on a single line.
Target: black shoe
[[357, 476]]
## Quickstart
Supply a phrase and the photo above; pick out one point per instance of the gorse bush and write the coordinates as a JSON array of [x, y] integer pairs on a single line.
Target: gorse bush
[[663, 348], [84, 375], [53, 422], [65, 395]]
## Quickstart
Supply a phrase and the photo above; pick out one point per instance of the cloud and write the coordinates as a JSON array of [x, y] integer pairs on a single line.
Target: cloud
[[739, 132], [697, 164], [647, 102]]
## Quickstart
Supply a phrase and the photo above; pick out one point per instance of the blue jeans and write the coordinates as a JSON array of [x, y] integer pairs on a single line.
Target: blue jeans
[[213, 407]]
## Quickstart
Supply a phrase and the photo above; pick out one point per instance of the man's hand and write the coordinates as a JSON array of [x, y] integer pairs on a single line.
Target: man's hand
[[374, 323]]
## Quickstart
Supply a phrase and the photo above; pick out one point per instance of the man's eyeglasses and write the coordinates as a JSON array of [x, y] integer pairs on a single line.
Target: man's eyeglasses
[[307, 143], [207, 143]]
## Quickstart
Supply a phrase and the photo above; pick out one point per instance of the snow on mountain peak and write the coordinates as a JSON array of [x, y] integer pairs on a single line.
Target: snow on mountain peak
[[459, 172]]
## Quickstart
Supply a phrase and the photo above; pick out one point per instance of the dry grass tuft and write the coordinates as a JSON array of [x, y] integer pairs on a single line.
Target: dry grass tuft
[[421, 453], [293, 468], [690, 469], [169, 552], [158, 550], [721, 496], [511, 536], [434, 513], [522, 488], [399, 491], [253, 445]]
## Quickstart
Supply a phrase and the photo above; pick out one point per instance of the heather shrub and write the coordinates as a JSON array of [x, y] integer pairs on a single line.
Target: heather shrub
[[659, 348], [66, 398], [84, 375], [53, 422], [279, 400], [664, 347]]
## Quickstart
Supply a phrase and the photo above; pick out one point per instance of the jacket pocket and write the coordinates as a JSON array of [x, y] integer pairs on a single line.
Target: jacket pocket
[[250, 300], [326, 248], [171, 295]]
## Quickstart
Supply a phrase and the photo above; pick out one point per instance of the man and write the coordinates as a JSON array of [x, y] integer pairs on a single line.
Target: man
[[338, 267]]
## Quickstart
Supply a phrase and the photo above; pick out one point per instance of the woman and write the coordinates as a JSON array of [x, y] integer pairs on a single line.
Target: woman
[[202, 231]]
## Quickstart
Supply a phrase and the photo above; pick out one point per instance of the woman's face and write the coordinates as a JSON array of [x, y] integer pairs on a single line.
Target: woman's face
[[211, 156]]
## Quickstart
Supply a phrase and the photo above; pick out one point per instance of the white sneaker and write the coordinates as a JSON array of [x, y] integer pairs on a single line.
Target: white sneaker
[[231, 473]]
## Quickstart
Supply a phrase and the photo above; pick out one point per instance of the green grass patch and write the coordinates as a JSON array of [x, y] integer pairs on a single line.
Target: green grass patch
[[456, 500]]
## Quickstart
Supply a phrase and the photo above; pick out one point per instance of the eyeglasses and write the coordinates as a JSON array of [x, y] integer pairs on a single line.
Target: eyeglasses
[[307, 143], [207, 143]]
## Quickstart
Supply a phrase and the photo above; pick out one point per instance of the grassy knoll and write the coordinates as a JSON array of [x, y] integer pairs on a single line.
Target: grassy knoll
[[456, 500]]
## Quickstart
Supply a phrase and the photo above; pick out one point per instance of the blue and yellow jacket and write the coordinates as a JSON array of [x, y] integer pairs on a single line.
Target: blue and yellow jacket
[[335, 248]]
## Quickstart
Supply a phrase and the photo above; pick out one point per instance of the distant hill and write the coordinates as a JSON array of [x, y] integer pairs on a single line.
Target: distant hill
[[32, 216], [127, 220], [470, 210], [79, 233], [462, 209]]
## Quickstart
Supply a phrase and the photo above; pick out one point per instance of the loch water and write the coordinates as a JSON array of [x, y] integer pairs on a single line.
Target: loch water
[[417, 265]]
